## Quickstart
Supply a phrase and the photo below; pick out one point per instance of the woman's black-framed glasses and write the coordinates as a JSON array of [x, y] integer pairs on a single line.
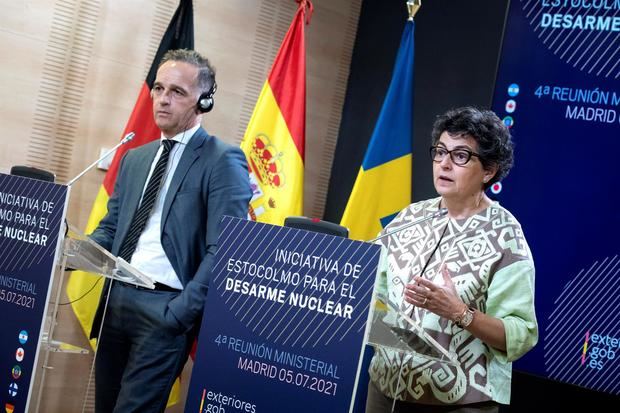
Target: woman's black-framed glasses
[[459, 156]]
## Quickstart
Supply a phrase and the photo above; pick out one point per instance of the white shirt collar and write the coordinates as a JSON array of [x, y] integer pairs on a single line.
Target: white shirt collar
[[183, 137]]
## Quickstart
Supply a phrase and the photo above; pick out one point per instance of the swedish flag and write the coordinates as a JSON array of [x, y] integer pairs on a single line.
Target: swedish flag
[[383, 185]]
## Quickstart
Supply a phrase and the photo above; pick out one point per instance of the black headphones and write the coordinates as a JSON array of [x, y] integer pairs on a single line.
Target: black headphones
[[205, 101]]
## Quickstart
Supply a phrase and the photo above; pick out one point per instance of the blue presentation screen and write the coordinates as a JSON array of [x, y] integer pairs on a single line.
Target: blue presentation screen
[[558, 88]]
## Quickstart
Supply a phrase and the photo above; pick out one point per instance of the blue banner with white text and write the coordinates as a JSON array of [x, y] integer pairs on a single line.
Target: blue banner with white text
[[558, 89], [31, 215], [284, 321]]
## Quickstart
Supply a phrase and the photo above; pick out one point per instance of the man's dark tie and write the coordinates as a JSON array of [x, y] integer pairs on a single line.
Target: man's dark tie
[[148, 201]]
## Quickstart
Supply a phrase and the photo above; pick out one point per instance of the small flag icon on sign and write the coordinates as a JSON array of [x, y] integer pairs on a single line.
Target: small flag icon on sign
[[513, 90], [9, 408], [13, 389], [511, 105], [23, 336], [19, 354]]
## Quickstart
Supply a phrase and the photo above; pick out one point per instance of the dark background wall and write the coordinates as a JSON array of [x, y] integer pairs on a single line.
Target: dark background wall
[[456, 49], [457, 45]]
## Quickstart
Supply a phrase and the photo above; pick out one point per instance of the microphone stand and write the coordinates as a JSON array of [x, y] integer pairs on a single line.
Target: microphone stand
[[123, 141]]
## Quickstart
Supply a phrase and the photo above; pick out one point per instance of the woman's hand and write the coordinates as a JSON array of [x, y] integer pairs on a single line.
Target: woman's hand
[[442, 300], [445, 302]]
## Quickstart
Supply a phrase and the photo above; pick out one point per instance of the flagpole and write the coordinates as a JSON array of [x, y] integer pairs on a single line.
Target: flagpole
[[413, 6]]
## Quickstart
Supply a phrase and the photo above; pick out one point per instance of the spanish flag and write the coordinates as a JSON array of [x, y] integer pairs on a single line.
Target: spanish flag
[[275, 138], [84, 289], [383, 184]]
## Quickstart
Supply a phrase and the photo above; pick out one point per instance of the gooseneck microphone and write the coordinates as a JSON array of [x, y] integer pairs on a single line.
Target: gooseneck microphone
[[439, 213], [123, 141]]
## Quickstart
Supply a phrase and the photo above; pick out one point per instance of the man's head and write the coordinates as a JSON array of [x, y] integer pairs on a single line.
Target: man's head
[[183, 75]]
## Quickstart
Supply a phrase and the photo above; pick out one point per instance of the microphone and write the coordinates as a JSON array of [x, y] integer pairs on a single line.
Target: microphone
[[441, 212], [123, 141]]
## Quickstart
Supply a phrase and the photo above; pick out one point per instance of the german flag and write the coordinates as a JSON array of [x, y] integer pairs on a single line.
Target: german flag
[[275, 138], [84, 289]]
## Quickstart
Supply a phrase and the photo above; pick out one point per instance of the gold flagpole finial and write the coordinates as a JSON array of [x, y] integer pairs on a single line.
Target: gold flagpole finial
[[413, 6]]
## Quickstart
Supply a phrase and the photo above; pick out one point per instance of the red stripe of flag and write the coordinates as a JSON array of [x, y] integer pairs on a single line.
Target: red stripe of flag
[[142, 123], [287, 78]]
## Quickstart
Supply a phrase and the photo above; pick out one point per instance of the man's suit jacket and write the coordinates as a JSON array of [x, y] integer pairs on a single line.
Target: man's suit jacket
[[211, 180]]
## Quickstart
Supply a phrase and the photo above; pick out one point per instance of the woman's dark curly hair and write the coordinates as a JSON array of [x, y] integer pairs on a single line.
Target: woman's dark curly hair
[[495, 145]]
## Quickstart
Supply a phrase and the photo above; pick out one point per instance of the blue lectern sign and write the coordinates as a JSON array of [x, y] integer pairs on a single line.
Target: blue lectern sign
[[31, 214], [284, 322]]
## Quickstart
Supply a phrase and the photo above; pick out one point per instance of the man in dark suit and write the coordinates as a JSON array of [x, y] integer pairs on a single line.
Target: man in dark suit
[[163, 218]]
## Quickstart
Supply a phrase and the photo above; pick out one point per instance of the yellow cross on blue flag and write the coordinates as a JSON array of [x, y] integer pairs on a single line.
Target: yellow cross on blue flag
[[383, 184]]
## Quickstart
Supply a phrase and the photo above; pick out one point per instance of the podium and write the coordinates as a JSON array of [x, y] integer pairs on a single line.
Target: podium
[[78, 253], [32, 213], [287, 318], [284, 322], [82, 253], [393, 328], [35, 248]]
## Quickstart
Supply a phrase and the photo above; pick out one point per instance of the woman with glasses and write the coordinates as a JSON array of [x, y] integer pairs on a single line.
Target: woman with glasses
[[466, 277]]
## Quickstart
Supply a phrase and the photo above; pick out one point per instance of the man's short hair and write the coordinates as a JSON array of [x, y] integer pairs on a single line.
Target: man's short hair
[[206, 72]]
